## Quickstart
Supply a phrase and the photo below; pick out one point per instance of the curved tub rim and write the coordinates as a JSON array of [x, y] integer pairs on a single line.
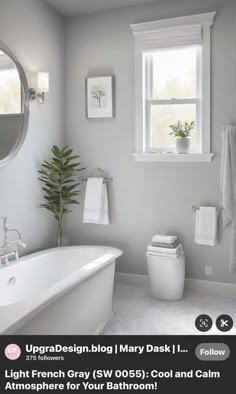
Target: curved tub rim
[[45, 300], [117, 253]]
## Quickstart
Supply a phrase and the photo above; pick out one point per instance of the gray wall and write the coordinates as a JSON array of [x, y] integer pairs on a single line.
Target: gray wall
[[147, 198], [35, 33]]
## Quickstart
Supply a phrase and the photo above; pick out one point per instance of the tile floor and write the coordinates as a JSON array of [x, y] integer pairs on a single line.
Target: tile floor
[[135, 313]]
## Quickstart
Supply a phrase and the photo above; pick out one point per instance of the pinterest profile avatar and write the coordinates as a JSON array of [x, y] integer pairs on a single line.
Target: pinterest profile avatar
[[12, 352]]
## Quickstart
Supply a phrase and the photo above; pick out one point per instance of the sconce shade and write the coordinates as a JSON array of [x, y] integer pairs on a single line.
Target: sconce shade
[[43, 82]]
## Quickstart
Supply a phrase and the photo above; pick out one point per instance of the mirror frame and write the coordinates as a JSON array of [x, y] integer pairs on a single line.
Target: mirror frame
[[20, 140]]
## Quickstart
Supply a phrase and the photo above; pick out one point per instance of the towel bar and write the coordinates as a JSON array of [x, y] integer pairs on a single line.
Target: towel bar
[[84, 179], [97, 173], [194, 208]]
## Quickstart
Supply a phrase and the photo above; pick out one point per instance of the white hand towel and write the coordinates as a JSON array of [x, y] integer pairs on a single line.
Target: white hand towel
[[164, 239], [96, 202], [206, 226], [155, 249], [228, 186]]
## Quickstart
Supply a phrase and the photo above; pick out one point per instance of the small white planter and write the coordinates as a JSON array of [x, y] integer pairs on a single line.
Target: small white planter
[[182, 145]]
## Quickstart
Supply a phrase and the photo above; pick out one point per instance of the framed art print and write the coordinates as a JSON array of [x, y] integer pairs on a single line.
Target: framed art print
[[100, 97]]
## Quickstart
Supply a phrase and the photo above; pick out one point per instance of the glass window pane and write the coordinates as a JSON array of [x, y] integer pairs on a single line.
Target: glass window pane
[[175, 74], [162, 116], [10, 92]]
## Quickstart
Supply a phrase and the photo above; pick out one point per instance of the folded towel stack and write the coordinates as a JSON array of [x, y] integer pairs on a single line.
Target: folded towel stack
[[165, 246]]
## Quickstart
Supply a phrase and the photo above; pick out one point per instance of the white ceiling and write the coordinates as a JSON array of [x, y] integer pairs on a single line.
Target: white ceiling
[[69, 8]]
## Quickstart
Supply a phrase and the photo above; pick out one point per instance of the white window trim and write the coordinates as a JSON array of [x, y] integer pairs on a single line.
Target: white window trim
[[146, 34], [176, 158]]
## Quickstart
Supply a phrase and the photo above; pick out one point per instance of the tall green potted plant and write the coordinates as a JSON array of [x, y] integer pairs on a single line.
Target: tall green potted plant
[[59, 177], [182, 132]]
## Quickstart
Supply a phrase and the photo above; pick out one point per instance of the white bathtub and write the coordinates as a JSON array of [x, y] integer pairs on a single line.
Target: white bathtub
[[58, 291]]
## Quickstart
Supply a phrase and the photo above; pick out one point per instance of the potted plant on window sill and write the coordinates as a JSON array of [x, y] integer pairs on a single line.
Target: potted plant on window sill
[[182, 131]]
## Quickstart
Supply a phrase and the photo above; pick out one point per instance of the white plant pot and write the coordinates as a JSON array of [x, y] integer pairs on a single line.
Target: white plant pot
[[182, 145]]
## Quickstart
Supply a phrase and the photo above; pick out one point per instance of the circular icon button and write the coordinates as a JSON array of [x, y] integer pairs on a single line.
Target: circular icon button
[[12, 351], [224, 323], [203, 323]]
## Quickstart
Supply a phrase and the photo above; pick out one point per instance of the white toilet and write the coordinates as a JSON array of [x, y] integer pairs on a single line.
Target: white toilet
[[166, 277]]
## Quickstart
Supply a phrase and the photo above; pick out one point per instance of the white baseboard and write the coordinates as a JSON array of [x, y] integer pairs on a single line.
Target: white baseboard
[[131, 279], [202, 286], [206, 286]]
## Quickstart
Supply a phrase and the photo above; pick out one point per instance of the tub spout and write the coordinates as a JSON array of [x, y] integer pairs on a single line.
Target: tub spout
[[9, 248]]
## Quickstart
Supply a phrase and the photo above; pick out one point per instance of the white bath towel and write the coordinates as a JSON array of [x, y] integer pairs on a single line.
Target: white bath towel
[[155, 249], [96, 202], [206, 226], [164, 239], [228, 181], [232, 258], [176, 255], [228, 186], [166, 246]]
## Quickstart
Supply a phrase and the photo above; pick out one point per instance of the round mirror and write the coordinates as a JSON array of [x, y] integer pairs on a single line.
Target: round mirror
[[14, 105]]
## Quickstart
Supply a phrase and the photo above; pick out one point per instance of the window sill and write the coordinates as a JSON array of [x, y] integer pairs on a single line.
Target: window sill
[[174, 157]]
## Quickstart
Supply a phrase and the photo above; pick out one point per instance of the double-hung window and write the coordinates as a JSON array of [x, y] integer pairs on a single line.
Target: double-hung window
[[172, 61], [172, 93]]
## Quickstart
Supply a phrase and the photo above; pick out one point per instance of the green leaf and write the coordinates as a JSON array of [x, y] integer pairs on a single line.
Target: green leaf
[[72, 187], [67, 153], [67, 181], [65, 148], [75, 157], [56, 151], [69, 202]]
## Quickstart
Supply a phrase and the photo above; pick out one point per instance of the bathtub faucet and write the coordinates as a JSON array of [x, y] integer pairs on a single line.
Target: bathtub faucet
[[9, 248]]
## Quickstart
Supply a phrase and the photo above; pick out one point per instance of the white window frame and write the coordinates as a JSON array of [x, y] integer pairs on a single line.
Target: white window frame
[[152, 36]]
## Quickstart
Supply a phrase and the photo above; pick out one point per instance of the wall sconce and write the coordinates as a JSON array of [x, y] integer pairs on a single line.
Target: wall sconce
[[39, 94]]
